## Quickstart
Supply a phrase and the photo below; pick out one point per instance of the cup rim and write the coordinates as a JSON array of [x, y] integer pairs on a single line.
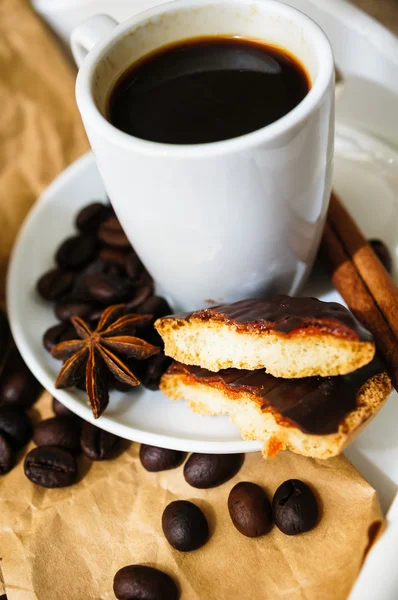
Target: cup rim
[[297, 115]]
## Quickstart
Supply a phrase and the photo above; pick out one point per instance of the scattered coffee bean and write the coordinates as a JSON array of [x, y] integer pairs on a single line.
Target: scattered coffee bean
[[89, 277], [18, 387], [54, 284], [294, 507], [160, 459], [132, 264], [149, 334], [51, 467], [108, 289], [102, 266], [139, 582], [113, 256], [58, 431], [7, 458], [184, 525], [76, 252], [91, 216], [80, 291], [382, 253], [5, 337], [58, 333], [150, 371], [95, 315], [210, 470], [155, 306], [111, 233], [3, 597], [15, 427], [61, 411], [144, 278], [98, 444], [65, 310], [250, 509], [140, 295]]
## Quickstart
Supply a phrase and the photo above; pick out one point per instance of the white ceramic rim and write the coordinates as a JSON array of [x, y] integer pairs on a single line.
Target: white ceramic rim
[[88, 108]]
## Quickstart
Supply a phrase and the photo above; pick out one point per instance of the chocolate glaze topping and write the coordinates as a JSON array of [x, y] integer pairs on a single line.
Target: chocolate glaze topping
[[315, 405], [286, 315]]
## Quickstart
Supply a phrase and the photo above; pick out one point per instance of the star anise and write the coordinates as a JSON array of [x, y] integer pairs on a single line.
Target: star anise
[[101, 350]]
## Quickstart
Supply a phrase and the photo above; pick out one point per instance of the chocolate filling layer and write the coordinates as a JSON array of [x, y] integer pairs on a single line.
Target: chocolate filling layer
[[315, 405], [285, 315]]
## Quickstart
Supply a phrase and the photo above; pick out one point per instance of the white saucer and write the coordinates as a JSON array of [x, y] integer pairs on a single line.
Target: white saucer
[[366, 176]]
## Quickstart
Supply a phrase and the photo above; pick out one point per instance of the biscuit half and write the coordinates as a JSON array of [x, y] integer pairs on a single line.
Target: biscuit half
[[299, 420], [289, 337]]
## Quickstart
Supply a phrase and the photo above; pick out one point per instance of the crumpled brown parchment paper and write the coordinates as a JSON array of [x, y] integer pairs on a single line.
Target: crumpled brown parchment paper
[[67, 544]]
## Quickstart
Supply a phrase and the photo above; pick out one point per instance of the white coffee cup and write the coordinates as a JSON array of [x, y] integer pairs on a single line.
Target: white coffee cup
[[228, 220]]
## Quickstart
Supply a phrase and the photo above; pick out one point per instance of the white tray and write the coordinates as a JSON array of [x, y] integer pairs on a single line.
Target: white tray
[[367, 56]]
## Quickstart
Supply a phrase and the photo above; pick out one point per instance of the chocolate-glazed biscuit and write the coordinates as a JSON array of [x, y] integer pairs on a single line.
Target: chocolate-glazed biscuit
[[313, 416], [289, 337], [285, 314], [315, 405]]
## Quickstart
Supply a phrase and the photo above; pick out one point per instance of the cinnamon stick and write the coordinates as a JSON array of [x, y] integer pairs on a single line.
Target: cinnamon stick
[[349, 283], [372, 272]]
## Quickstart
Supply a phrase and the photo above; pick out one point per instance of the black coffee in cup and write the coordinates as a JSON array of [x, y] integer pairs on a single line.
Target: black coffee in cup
[[206, 90]]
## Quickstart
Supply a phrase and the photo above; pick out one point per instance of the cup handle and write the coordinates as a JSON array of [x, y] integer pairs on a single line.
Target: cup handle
[[88, 33]]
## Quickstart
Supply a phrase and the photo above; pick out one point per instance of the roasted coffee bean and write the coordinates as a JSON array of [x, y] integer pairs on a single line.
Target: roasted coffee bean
[[61, 411], [51, 467], [76, 252], [102, 266], [80, 288], [5, 337], [210, 470], [113, 256], [132, 264], [95, 315], [140, 295], [54, 284], [151, 370], [149, 334], [250, 509], [382, 253], [111, 233], [15, 427], [139, 582], [294, 507], [160, 459], [108, 289], [67, 309], [58, 431], [18, 387], [7, 457], [155, 306], [58, 333], [97, 268], [91, 216], [147, 331], [144, 277], [98, 444], [3, 597], [184, 525]]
